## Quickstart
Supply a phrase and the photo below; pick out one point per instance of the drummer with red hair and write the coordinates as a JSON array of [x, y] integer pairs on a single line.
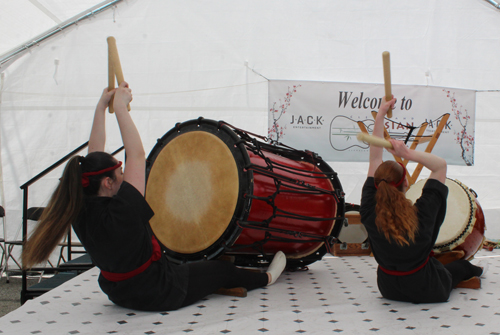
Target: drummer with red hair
[[402, 235], [105, 204]]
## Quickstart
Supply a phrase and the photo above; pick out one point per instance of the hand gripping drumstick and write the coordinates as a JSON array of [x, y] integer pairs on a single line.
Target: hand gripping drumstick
[[386, 60], [374, 140], [115, 61]]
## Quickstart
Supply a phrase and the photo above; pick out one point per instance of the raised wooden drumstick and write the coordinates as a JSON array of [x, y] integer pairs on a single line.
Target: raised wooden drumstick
[[115, 60], [386, 60], [111, 80], [374, 140]]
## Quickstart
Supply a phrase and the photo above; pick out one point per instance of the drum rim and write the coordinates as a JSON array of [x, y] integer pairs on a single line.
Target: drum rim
[[243, 204], [468, 227], [470, 224]]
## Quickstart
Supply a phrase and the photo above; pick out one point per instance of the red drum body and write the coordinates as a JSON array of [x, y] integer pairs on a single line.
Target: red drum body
[[296, 209], [463, 227], [218, 191]]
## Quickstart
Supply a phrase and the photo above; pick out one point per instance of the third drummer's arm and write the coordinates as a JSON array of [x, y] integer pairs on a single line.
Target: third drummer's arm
[[436, 164], [378, 131]]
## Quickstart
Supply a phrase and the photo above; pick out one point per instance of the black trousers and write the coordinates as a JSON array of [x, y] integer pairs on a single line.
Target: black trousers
[[208, 276]]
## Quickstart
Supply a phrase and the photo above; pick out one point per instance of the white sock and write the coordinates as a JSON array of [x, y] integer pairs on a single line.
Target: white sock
[[277, 266], [483, 264]]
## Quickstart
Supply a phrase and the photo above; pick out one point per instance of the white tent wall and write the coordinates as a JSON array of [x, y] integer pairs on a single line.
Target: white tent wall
[[185, 59]]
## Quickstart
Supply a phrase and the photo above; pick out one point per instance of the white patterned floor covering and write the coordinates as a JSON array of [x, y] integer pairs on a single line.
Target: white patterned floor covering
[[336, 295]]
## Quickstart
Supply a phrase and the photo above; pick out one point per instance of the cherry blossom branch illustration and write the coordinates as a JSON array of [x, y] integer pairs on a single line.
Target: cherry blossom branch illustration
[[277, 111], [462, 137]]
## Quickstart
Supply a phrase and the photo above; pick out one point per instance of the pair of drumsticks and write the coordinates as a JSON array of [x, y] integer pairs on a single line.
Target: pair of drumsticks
[[370, 139], [114, 69]]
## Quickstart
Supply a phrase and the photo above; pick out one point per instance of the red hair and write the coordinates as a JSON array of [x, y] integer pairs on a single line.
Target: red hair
[[396, 217]]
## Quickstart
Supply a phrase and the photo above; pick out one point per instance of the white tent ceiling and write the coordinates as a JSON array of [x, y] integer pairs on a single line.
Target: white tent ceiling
[[22, 20]]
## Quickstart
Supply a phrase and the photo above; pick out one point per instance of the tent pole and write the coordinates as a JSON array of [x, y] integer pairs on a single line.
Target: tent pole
[[494, 3]]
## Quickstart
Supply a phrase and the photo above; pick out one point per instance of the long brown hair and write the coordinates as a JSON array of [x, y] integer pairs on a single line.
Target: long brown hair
[[396, 216], [65, 205]]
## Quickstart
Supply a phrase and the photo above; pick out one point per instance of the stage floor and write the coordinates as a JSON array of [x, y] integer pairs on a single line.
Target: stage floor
[[335, 295]]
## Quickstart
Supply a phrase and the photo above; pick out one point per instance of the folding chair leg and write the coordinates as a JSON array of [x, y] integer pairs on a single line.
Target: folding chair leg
[[3, 262], [7, 257]]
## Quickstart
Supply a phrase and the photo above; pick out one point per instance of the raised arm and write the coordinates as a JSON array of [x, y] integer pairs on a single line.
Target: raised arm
[[135, 165], [97, 139], [436, 164], [378, 130]]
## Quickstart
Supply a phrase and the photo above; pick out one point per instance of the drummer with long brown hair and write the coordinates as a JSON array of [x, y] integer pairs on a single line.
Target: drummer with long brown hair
[[110, 215], [402, 235]]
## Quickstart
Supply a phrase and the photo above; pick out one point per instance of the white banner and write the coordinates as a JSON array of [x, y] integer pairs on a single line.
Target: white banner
[[325, 117]]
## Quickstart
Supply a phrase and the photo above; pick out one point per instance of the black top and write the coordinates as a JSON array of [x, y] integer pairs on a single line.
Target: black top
[[433, 282], [115, 232]]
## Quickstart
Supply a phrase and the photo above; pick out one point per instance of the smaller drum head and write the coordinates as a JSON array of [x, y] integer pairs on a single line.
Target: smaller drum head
[[355, 232], [193, 190], [460, 213]]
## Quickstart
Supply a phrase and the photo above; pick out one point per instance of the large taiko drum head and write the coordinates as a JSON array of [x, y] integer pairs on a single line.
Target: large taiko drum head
[[193, 190], [463, 226]]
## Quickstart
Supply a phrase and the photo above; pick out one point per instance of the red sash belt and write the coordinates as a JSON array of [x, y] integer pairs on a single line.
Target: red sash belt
[[116, 277], [406, 273]]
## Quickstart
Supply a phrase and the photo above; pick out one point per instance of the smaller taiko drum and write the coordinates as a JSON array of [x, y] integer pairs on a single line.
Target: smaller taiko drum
[[463, 227], [354, 231]]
